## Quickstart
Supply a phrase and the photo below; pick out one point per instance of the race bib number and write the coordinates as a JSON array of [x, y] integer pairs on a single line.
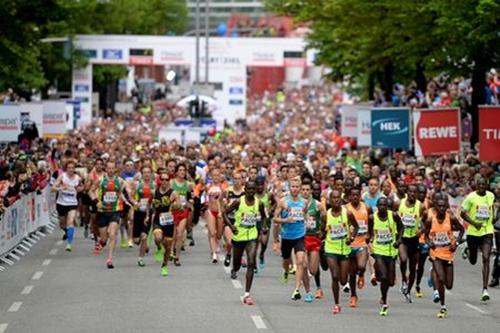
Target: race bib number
[[110, 197], [408, 220], [311, 223], [337, 232], [166, 219], [68, 193], [441, 239], [183, 201], [384, 236], [143, 205], [363, 228], [482, 213], [297, 214], [248, 220]]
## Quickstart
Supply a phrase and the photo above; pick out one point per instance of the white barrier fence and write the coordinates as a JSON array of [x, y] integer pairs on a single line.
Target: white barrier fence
[[24, 219]]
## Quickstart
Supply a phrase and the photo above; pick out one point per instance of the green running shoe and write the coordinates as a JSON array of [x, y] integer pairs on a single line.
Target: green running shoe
[[384, 310], [284, 278], [164, 271], [159, 255], [296, 295]]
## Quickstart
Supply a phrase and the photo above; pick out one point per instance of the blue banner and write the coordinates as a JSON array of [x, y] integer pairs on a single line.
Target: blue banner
[[390, 128]]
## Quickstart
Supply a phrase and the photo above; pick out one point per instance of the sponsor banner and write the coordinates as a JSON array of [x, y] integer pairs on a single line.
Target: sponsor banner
[[10, 122], [364, 128], [173, 57], [235, 102], [54, 118], [349, 120], [89, 53], [34, 113], [390, 128], [141, 56], [436, 131], [112, 54], [81, 88], [236, 90], [294, 62], [10, 228], [82, 77], [489, 133], [25, 216]]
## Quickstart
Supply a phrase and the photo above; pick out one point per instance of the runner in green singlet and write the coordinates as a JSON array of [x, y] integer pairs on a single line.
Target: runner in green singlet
[[249, 214]]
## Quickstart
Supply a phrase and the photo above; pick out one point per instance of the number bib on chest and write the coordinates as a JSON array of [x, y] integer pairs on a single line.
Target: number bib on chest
[[166, 219], [363, 228], [311, 223], [69, 193], [248, 220], [441, 239], [408, 220], [482, 213], [110, 197], [297, 214], [384, 236], [337, 232], [143, 205]]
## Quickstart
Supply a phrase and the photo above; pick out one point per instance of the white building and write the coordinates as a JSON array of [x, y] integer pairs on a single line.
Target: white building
[[221, 10]]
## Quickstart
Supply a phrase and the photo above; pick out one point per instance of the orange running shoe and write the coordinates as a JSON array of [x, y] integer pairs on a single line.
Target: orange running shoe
[[319, 294], [361, 282], [354, 302]]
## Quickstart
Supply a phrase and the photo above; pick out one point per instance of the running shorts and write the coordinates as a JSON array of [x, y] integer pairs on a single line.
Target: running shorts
[[287, 245], [411, 244], [141, 226], [63, 210], [105, 219], [312, 243]]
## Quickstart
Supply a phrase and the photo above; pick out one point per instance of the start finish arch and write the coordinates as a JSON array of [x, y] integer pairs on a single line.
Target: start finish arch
[[229, 59]]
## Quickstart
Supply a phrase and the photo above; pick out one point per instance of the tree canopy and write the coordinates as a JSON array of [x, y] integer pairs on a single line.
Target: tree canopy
[[405, 40], [26, 62]]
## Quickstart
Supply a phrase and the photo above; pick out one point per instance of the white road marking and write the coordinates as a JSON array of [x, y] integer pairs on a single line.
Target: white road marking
[[59, 242], [237, 284], [15, 306], [3, 327], [27, 290], [37, 275], [13, 256], [46, 262], [259, 323], [53, 252], [473, 307]]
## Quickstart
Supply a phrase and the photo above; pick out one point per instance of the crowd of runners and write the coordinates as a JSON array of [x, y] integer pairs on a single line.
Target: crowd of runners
[[283, 182]]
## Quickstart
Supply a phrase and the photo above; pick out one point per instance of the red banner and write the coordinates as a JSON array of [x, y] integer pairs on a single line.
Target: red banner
[[489, 133], [436, 131]]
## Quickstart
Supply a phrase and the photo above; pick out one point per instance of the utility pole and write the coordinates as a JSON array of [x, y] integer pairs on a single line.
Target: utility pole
[[207, 36], [197, 30]]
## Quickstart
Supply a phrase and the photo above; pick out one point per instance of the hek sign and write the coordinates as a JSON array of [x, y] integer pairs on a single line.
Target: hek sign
[[391, 128], [436, 131], [489, 133]]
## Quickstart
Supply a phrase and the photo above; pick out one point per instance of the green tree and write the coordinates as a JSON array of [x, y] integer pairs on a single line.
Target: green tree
[[26, 62], [406, 40]]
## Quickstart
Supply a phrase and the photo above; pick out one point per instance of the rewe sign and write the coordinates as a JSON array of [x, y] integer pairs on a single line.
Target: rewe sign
[[436, 131], [489, 133], [390, 128]]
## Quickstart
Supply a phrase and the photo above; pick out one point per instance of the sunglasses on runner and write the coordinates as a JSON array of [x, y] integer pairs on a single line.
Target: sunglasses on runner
[[163, 179]]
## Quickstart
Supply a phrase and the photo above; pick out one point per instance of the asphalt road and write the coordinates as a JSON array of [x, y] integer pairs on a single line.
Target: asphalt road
[[51, 290]]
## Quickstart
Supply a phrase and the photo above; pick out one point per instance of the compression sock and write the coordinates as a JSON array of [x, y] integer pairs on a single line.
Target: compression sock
[[71, 233]]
